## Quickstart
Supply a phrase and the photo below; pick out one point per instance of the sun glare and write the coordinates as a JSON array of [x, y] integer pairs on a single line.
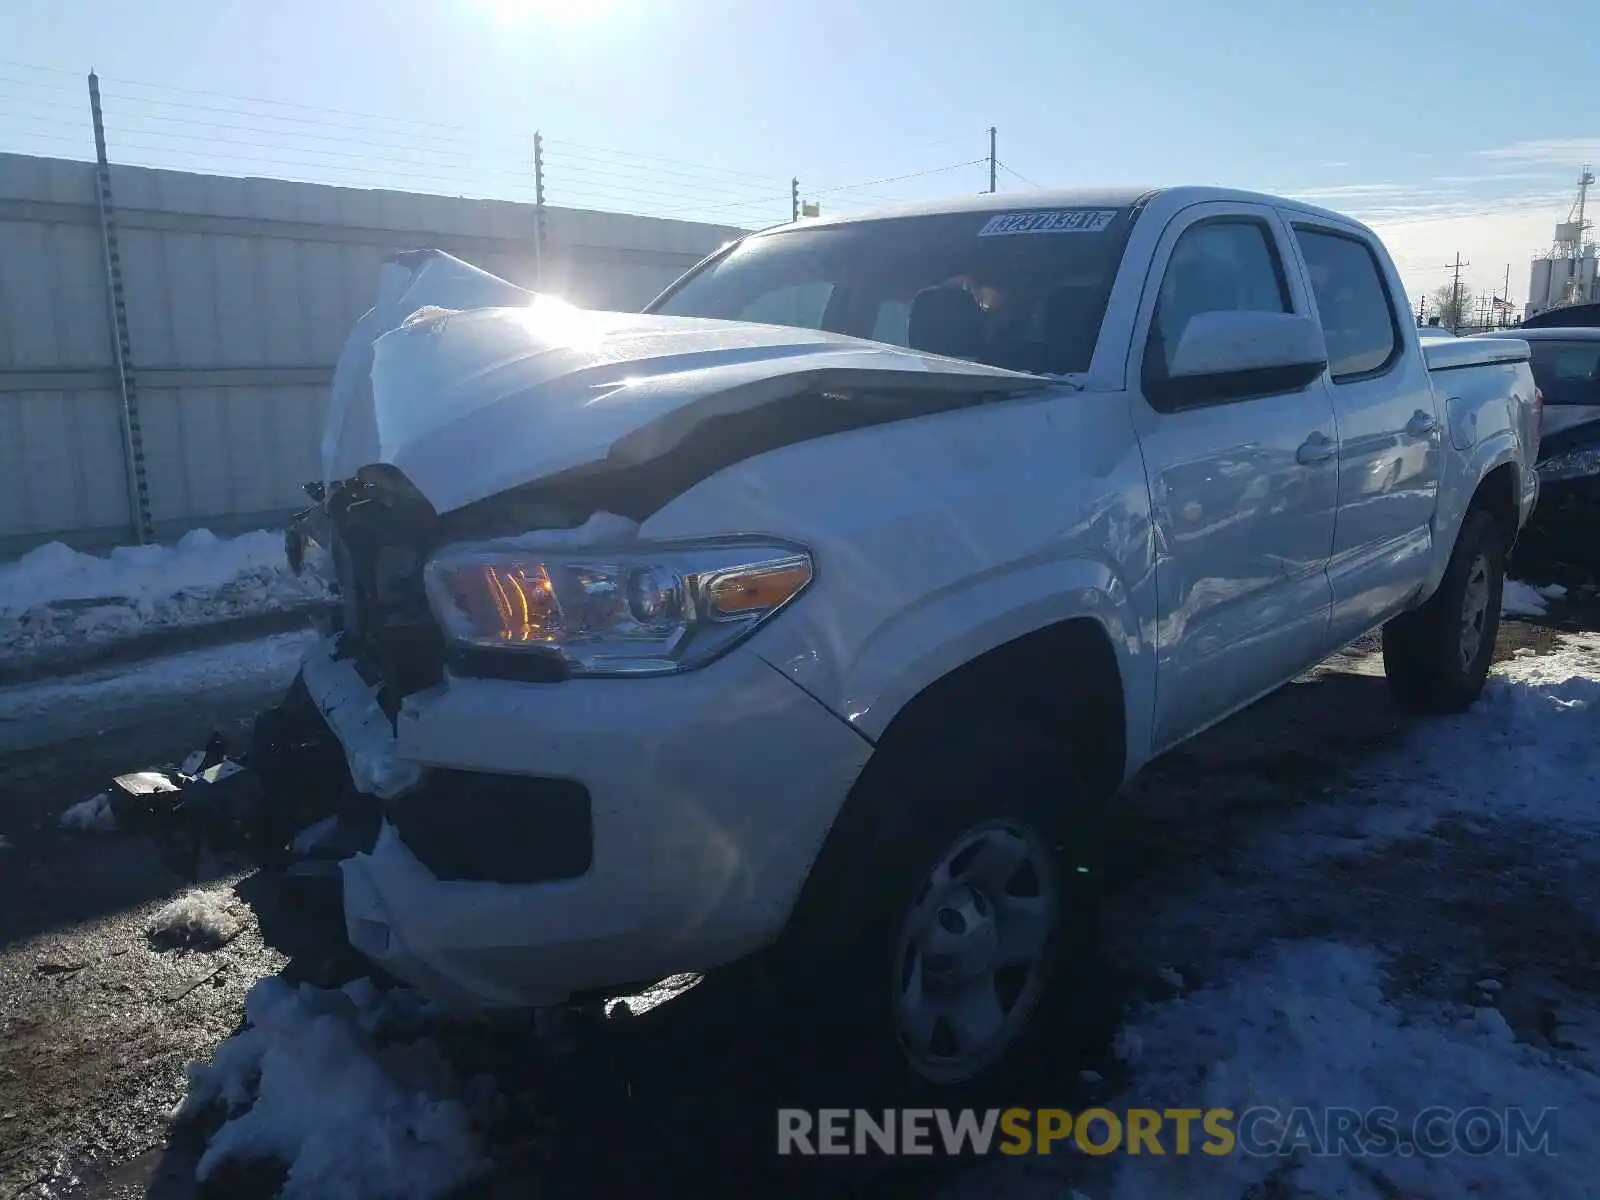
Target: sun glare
[[547, 12]]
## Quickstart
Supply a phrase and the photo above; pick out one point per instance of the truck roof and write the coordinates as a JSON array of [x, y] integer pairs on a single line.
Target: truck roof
[[1088, 197]]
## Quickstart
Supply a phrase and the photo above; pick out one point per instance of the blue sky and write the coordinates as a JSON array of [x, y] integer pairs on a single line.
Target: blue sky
[[1448, 127]]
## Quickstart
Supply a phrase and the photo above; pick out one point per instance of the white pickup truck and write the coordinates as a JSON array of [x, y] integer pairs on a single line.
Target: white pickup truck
[[818, 611]]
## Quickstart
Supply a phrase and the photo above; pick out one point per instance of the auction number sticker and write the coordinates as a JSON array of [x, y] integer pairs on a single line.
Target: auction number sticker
[[1064, 220]]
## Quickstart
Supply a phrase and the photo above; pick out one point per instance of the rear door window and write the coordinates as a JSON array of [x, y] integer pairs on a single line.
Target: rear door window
[[1566, 372], [1353, 303]]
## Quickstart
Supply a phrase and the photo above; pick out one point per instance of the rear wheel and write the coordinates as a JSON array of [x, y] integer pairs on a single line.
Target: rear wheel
[[946, 922], [1437, 657]]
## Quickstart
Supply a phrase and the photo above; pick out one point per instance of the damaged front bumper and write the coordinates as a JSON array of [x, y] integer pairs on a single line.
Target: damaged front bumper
[[541, 840]]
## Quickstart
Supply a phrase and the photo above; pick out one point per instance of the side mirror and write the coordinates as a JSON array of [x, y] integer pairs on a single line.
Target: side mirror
[[1236, 355]]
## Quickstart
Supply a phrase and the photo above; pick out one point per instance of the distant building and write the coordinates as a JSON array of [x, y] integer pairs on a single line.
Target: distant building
[[1568, 272]]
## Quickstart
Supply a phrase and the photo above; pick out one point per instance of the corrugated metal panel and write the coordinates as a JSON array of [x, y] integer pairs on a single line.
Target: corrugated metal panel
[[240, 293], [60, 463]]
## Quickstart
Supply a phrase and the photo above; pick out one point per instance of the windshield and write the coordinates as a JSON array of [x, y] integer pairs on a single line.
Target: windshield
[[1021, 290], [1567, 372]]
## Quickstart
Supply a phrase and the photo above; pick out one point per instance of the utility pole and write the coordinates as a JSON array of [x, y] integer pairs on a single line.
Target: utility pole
[[121, 342], [992, 159], [794, 198], [1455, 291], [1505, 297]]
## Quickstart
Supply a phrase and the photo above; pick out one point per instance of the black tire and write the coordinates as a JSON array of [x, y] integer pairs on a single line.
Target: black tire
[[1426, 652], [838, 961]]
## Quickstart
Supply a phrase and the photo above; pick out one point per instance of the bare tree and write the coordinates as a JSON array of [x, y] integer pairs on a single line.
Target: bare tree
[[1454, 308]]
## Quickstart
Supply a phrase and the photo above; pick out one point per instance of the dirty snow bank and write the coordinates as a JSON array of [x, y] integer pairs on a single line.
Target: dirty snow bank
[[308, 1084], [1519, 599], [200, 920], [1309, 1026], [54, 594], [93, 815], [1530, 748]]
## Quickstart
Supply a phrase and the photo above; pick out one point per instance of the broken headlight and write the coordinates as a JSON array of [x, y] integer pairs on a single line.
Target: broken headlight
[[650, 610]]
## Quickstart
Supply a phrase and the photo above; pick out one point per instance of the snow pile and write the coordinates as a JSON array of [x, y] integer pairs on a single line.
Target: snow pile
[[93, 815], [54, 594], [200, 920], [1310, 1026], [307, 1084], [1521, 600]]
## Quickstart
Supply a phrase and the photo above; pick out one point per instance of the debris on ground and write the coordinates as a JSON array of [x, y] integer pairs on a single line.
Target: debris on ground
[[307, 1084], [1520, 599], [93, 815], [199, 920], [54, 595]]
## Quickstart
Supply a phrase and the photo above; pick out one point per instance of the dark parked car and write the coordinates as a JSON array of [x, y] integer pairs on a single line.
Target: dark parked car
[[1566, 525]]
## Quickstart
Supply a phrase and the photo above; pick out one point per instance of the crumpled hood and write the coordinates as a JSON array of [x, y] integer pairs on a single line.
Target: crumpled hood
[[470, 386]]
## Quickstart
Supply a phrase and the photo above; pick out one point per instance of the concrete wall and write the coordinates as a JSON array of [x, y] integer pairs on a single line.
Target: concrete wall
[[239, 295]]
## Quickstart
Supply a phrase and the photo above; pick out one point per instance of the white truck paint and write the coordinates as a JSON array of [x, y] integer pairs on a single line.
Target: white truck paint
[[1224, 531]]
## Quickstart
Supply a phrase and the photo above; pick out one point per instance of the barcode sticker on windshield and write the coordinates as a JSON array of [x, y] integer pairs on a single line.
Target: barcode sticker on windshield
[[1067, 220]]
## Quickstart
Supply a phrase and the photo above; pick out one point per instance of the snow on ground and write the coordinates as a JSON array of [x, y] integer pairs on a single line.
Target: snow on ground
[[200, 920], [80, 703], [54, 595], [1419, 939], [1530, 748], [318, 1081], [1522, 600], [1309, 1026], [93, 815]]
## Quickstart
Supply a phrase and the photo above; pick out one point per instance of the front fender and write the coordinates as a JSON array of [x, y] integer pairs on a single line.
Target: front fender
[[923, 643], [945, 536]]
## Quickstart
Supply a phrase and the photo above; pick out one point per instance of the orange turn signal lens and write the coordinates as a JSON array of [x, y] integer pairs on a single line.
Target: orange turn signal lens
[[755, 589]]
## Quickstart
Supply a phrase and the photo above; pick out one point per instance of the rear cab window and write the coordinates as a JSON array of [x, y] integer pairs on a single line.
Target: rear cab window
[[1025, 290], [1353, 303]]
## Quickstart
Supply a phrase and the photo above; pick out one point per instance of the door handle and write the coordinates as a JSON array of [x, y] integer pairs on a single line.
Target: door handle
[[1421, 424], [1319, 447]]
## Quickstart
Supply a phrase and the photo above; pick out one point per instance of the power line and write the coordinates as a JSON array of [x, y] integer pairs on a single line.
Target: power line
[[656, 158], [842, 187], [1005, 167], [168, 87], [189, 106]]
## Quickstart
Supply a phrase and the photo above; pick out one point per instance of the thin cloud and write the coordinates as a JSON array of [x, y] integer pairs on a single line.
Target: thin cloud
[[1567, 151]]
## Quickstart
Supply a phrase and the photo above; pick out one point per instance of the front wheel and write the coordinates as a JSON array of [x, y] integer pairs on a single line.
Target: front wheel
[[1437, 657], [945, 925]]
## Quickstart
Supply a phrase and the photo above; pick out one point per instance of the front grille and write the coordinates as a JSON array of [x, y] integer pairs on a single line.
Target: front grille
[[470, 826], [385, 624]]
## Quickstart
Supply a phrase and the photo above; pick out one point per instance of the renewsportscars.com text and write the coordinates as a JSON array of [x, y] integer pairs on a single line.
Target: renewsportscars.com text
[[1261, 1131]]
